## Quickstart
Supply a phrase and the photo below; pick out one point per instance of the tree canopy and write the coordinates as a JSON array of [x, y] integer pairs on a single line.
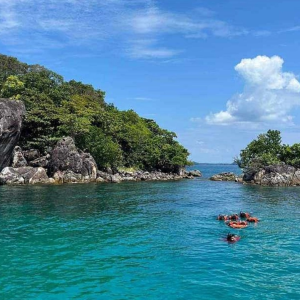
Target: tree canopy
[[57, 108], [268, 149]]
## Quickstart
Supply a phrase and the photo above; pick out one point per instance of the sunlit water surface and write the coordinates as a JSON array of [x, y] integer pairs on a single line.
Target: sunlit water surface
[[148, 240]]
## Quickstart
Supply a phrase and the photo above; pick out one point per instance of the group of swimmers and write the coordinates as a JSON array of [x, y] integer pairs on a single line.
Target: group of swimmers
[[237, 221]]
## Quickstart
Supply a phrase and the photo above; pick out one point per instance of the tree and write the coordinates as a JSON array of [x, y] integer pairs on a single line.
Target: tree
[[265, 149], [12, 88]]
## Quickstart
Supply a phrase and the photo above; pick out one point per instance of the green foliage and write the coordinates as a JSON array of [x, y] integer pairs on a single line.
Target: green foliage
[[267, 150], [57, 108], [291, 155], [12, 88]]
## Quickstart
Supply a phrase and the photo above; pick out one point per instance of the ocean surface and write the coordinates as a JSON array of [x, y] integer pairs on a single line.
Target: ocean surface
[[148, 240]]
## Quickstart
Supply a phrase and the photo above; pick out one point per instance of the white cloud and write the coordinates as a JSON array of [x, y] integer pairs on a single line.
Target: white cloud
[[269, 94], [148, 49], [131, 25]]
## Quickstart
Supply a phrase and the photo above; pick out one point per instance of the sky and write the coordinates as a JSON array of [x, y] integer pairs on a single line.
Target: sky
[[217, 72]]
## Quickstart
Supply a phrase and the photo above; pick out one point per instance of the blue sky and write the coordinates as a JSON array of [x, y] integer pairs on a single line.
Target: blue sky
[[216, 72]]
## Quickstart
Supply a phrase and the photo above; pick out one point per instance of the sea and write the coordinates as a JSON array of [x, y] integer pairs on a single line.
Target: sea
[[149, 240]]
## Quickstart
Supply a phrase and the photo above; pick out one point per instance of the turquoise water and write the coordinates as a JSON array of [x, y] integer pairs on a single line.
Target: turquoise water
[[148, 240]]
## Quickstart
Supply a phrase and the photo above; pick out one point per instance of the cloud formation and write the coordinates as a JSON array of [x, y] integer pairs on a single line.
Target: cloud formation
[[269, 94], [136, 27]]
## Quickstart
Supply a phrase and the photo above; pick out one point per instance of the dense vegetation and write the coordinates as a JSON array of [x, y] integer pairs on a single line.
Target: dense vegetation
[[268, 149], [57, 108]]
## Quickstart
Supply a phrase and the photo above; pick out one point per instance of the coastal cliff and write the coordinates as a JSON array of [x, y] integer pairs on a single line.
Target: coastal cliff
[[11, 115]]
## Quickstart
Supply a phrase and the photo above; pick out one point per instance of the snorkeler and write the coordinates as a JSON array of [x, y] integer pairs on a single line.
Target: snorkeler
[[222, 217], [231, 237], [244, 215]]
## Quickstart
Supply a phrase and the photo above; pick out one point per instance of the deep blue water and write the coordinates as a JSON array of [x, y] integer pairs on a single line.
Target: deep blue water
[[148, 240]]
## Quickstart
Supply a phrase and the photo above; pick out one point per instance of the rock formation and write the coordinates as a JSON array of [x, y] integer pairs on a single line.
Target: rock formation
[[225, 176], [23, 175], [11, 114], [273, 175], [67, 164]]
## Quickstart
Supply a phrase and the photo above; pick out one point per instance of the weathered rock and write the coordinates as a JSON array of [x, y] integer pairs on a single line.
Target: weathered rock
[[67, 177], [239, 179], [40, 162], [194, 173], [18, 158], [225, 176], [273, 175], [58, 177], [127, 178], [51, 180], [31, 154], [115, 178], [11, 114], [296, 178], [65, 156], [72, 165], [71, 177], [100, 179], [89, 167], [23, 175]]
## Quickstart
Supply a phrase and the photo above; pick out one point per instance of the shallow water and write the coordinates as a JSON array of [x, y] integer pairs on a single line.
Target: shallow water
[[148, 240]]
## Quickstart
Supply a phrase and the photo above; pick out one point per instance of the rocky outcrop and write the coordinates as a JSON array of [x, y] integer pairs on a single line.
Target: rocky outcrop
[[194, 173], [225, 176], [42, 161], [23, 175], [18, 158], [31, 154], [68, 164], [273, 175], [142, 176], [11, 114]]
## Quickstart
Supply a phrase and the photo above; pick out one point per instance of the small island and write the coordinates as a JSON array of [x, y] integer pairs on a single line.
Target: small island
[[268, 162], [54, 131]]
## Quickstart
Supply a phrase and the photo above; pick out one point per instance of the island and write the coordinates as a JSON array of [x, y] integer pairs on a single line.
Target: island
[[57, 131]]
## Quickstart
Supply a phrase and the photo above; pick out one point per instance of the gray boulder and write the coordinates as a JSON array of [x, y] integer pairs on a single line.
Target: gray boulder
[[40, 162], [31, 154], [18, 158], [71, 164], [225, 176], [194, 173], [89, 167], [23, 175], [11, 115], [273, 175]]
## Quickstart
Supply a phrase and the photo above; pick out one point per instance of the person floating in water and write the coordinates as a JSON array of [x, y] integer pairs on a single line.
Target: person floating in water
[[244, 215], [231, 237]]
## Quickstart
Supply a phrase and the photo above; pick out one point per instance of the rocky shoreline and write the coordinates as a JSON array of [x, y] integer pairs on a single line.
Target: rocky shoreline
[[279, 175], [67, 164]]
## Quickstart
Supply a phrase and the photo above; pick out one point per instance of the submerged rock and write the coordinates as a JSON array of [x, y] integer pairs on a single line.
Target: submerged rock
[[11, 114]]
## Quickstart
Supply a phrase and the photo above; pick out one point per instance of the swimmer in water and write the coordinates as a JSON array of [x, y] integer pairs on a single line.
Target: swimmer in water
[[231, 237]]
